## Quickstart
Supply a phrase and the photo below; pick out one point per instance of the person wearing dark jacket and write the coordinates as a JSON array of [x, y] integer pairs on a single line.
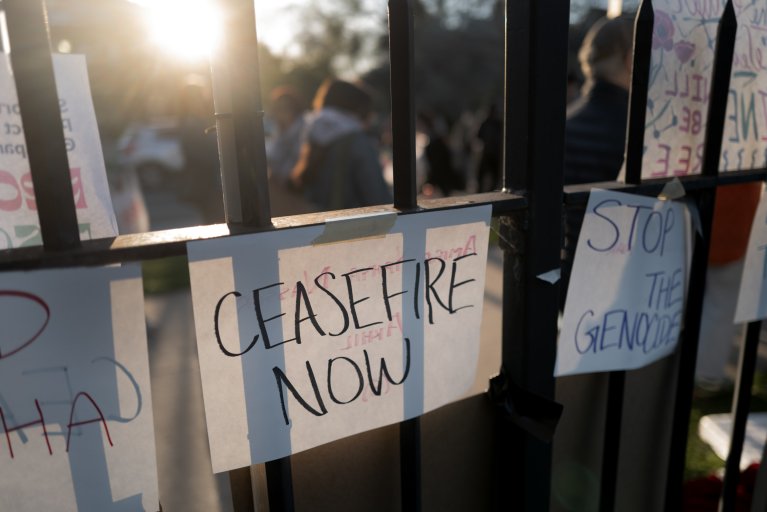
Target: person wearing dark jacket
[[339, 166], [595, 132]]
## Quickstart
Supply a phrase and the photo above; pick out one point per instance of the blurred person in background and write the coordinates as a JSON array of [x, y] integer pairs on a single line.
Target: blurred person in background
[[734, 210], [491, 135], [595, 132], [339, 166], [283, 150], [442, 174], [287, 112], [200, 147]]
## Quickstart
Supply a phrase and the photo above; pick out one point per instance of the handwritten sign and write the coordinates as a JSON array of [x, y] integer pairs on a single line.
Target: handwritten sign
[[746, 122], [303, 343], [19, 224], [684, 36], [75, 409], [683, 45], [752, 296], [627, 291]]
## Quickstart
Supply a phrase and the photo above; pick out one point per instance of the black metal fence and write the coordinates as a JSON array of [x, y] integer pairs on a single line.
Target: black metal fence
[[530, 210]]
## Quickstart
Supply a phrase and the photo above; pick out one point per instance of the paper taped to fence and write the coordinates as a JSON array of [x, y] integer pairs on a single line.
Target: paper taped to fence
[[745, 125], [302, 344], [627, 289], [19, 224], [752, 296], [75, 406], [681, 67], [681, 63]]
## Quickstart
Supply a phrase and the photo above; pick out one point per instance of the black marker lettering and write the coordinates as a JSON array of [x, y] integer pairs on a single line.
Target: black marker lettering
[[260, 315], [336, 300], [352, 302], [218, 334], [454, 285], [360, 386], [281, 379]]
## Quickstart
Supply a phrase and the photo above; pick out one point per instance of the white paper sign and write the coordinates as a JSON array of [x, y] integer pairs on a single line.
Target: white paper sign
[[752, 297], [683, 45], [684, 35], [303, 344], [76, 430], [626, 296], [19, 224], [745, 128]]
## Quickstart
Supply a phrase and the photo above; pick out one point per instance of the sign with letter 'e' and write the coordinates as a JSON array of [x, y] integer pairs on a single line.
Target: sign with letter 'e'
[[312, 334], [626, 297], [76, 429]]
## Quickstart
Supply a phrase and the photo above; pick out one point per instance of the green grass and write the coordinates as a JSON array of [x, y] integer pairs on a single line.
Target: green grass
[[165, 275], [701, 459]]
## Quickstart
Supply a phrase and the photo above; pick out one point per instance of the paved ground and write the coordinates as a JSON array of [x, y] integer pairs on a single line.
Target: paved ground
[[183, 462], [186, 480]]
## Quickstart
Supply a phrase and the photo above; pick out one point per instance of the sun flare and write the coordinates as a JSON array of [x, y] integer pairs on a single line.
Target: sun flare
[[188, 29]]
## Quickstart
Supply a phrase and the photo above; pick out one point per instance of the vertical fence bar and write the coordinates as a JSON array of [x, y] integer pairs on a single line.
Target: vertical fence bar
[[635, 130], [516, 132], [640, 83], [410, 464], [279, 485], [740, 409], [249, 206], [242, 490], [402, 100], [516, 92], [240, 63], [405, 198], [612, 442], [717, 108], [720, 87], [41, 118], [530, 321], [227, 152]]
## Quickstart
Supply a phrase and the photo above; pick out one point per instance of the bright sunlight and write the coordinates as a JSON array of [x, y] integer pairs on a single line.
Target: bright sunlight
[[188, 29]]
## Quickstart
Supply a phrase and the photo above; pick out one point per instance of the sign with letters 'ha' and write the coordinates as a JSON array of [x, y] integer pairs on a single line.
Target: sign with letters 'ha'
[[626, 296], [305, 338], [19, 224], [76, 429], [752, 296]]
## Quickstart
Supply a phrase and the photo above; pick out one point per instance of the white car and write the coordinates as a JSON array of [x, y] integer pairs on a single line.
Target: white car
[[153, 150]]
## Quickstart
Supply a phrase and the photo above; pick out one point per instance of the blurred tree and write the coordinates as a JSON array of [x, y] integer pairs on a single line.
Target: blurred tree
[[458, 56], [458, 51], [336, 38]]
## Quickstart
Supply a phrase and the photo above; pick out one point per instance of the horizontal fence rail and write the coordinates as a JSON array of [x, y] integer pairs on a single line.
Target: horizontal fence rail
[[172, 242]]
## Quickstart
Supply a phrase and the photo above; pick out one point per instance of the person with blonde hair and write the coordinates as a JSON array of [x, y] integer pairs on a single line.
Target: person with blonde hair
[[595, 132]]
